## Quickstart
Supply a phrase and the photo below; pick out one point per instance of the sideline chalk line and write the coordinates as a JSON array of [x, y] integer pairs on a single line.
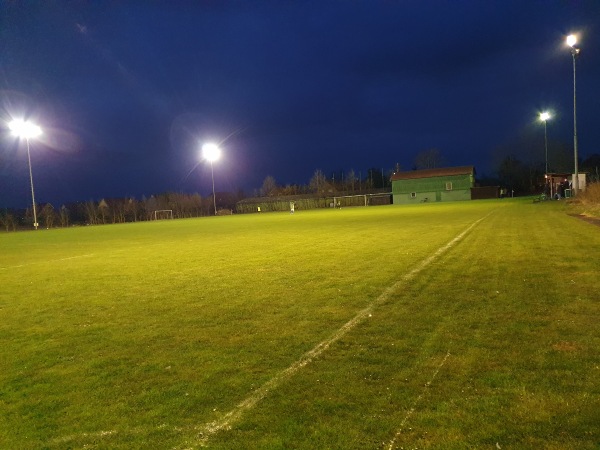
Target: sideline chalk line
[[417, 400], [226, 421]]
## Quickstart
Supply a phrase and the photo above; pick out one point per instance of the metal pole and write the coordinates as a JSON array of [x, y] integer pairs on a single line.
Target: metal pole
[[213, 185], [575, 52], [546, 143], [35, 222]]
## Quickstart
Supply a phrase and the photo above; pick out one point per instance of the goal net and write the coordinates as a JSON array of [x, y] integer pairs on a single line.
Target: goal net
[[361, 200], [161, 214]]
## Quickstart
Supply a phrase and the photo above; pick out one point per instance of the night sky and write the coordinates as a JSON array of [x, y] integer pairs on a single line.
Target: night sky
[[126, 92]]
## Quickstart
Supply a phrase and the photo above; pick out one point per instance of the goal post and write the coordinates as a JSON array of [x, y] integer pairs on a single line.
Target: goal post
[[162, 214]]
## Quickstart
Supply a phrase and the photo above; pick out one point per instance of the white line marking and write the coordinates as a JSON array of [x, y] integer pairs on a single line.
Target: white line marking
[[417, 400], [226, 421], [96, 435], [46, 261], [75, 257]]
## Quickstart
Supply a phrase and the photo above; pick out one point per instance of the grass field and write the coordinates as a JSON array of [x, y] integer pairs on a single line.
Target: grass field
[[442, 326]]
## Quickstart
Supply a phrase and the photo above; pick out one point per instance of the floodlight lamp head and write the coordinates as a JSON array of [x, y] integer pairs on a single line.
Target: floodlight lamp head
[[211, 152], [544, 116], [571, 40], [24, 129]]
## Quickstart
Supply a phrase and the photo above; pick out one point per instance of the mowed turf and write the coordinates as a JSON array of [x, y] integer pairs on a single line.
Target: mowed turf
[[199, 333]]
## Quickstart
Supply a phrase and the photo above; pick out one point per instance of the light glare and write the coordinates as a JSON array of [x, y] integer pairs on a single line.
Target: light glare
[[544, 116], [24, 129], [211, 152], [571, 40]]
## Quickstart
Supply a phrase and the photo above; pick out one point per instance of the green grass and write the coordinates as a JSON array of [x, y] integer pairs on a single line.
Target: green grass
[[141, 335]]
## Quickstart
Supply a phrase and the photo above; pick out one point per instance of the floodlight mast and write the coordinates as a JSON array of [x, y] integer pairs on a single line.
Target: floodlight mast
[[27, 130], [544, 118], [212, 152], [572, 42]]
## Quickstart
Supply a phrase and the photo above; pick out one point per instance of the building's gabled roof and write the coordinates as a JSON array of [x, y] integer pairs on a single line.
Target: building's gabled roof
[[429, 173]]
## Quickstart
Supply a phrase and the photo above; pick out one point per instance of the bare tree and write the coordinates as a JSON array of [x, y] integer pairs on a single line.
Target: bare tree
[[131, 209], [104, 210], [64, 216], [116, 206], [91, 212], [7, 220], [29, 213], [351, 179], [428, 159], [289, 189], [196, 205], [318, 182], [150, 205], [48, 215], [513, 173], [560, 157], [269, 187]]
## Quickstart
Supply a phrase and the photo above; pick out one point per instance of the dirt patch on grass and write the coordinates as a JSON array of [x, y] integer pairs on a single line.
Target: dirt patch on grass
[[588, 219], [565, 347]]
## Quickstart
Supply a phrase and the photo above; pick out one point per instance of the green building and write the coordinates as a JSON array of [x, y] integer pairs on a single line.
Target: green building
[[433, 185]]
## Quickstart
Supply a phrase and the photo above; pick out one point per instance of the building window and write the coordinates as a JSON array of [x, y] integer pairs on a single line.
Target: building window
[[448, 185], [413, 195]]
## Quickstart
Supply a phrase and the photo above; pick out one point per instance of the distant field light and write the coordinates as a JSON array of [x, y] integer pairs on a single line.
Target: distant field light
[[545, 116], [571, 40]]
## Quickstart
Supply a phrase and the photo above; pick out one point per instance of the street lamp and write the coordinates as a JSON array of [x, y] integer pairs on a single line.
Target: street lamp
[[27, 130], [544, 118], [572, 42], [212, 152]]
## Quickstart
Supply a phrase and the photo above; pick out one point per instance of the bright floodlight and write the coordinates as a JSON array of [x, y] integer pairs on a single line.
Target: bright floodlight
[[544, 116], [27, 130], [571, 40], [24, 129], [211, 152]]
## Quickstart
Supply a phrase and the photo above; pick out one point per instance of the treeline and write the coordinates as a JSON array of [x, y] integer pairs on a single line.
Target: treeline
[[524, 177], [348, 182], [183, 205], [518, 175], [117, 210]]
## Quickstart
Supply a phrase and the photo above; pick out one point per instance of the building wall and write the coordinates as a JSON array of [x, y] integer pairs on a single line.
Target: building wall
[[478, 193], [432, 189]]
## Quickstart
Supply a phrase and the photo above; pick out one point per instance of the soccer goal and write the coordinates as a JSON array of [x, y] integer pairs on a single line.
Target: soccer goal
[[161, 214], [361, 200]]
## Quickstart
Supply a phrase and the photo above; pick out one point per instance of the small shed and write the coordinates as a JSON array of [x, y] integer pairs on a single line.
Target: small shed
[[433, 185], [558, 185]]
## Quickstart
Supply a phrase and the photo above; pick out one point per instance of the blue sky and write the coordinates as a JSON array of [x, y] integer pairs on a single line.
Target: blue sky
[[127, 92]]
